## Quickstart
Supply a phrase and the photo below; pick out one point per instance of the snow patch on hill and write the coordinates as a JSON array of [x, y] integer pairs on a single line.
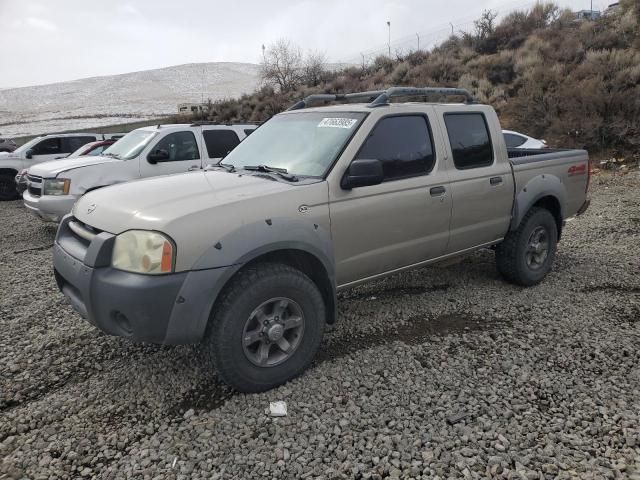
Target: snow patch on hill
[[120, 98]]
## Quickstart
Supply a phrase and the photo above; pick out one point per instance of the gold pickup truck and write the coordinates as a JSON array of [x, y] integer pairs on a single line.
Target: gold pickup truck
[[246, 257]]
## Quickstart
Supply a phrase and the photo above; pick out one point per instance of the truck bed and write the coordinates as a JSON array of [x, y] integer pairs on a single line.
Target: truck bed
[[569, 168]]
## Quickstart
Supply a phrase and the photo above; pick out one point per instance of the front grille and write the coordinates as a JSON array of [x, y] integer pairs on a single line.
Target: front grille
[[82, 231], [34, 185]]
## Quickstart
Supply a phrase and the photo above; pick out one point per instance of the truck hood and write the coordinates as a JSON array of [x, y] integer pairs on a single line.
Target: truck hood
[[54, 167], [155, 203], [9, 156]]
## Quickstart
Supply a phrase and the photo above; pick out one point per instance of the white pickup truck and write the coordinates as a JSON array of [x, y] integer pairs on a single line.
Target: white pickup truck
[[53, 187], [38, 150]]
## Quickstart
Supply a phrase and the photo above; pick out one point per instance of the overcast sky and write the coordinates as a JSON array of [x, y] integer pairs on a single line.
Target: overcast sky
[[46, 41]]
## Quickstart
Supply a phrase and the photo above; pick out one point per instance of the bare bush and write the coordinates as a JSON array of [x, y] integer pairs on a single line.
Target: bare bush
[[282, 65]]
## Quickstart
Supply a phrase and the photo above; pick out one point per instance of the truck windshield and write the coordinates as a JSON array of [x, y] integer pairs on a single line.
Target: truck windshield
[[305, 144], [130, 145]]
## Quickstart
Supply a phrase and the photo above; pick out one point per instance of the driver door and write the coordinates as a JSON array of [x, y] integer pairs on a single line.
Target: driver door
[[176, 152]]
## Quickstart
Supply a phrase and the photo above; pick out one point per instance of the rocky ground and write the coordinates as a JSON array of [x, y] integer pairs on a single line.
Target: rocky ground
[[445, 372]]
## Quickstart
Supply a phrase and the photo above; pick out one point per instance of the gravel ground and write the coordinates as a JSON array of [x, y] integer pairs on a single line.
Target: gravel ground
[[446, 372]]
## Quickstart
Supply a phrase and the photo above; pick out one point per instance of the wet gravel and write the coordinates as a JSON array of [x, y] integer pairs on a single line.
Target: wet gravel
[[444, 372]]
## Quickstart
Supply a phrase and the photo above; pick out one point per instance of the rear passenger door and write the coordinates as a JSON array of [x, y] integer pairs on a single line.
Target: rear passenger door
[[404, 220], [219, 142], [181, 152], [480, 175]]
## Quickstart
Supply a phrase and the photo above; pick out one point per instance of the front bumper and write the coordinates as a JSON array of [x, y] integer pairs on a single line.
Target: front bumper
[[165, 309], [50, 208]]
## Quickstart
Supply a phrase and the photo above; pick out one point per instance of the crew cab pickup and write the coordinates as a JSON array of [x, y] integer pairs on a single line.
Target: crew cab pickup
[[246, 257], [38, 150], [53, 187]]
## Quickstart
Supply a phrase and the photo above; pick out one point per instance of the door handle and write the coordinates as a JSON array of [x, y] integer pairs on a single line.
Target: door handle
[[437, 191], [193, 167], [495, 180]]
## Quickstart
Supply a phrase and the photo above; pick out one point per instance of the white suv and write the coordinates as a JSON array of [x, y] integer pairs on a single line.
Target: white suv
[[53, 187]]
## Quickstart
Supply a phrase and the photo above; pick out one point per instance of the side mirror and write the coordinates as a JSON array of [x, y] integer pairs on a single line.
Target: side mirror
[[29, 153], [158, 156], [362, 173]]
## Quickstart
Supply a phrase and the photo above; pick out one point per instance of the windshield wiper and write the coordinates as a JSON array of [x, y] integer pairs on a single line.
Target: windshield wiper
[[227, 166], [112, 155], [281, 172]]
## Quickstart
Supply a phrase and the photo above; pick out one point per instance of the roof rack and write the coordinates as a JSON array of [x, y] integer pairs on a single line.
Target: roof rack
[[378, 98], [228, 124]]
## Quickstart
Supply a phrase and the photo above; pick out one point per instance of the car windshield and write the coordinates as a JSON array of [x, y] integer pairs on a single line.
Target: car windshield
[[305, 144], [28, 145], [130, 145]]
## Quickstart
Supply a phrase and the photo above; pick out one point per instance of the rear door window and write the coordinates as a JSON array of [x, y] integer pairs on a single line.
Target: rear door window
[[470, 140], [220, 142], [71, 144], [403, 144], [513, 141]]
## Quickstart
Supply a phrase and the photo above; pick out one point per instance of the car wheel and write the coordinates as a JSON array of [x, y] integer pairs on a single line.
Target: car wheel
[[526, 255], [8, 187], [266, 328]]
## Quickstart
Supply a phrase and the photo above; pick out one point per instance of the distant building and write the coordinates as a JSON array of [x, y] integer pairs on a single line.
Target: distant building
[[613, 8], [587, 14], [193, 108]]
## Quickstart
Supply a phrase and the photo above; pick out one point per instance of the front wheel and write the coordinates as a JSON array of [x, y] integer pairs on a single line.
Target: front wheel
[[526, 255], [266, 328], [8, 187]]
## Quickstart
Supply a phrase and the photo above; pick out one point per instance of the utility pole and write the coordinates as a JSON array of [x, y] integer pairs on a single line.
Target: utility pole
[[263, 49], [451, 28], [362, 60], [418, 41], [389, 43]]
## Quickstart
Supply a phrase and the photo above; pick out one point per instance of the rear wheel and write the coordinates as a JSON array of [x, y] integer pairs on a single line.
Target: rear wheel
[[266, 328], [526, 255], [8, 187]]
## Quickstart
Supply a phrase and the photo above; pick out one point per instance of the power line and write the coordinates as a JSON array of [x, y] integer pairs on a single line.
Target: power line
[[437, 33]]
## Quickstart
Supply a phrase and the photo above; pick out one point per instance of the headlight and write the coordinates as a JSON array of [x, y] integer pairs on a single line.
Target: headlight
[[56, 186], [141, 251]]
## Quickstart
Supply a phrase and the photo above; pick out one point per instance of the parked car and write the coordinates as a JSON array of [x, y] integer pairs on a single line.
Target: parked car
[[38, 150], [7, 145], [520, 140], [53, 187], [91, 149], [246, 257]]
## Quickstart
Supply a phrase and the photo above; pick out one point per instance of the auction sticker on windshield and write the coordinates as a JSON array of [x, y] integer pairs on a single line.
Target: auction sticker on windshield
[[337, 122]]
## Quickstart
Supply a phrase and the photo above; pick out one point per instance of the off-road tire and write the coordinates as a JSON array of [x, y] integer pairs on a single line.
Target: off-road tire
[[511, 253], [8, 187], [223, 342]]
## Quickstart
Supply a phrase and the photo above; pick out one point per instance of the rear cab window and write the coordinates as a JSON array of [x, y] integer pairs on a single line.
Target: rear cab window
[[469, 139], [404, 145], [220, 142]]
